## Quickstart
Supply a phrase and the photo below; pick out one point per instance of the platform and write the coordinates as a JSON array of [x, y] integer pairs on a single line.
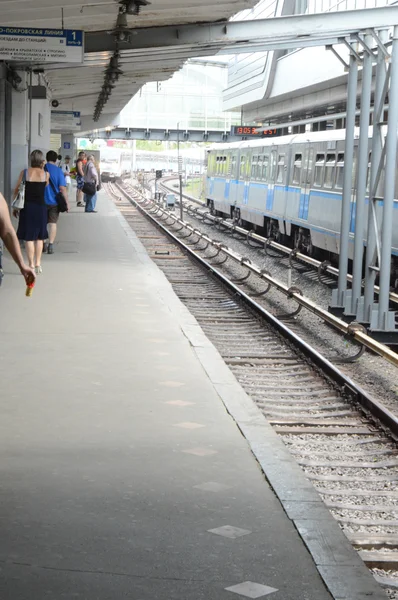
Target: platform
[[123, 473]]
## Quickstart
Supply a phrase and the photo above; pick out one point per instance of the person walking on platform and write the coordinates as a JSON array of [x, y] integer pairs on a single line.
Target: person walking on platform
[[91, 183], [10, 240], [56, 184], [32, 225], [80, 178], [66, 171]]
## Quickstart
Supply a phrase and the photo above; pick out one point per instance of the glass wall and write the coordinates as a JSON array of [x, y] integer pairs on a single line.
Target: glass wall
[[192, 98]]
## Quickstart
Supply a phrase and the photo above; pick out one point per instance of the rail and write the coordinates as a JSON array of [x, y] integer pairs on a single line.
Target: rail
[[321, 266], [353, 330]]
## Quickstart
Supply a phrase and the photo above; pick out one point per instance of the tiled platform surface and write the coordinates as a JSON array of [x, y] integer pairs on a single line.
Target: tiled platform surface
[[122, 475]]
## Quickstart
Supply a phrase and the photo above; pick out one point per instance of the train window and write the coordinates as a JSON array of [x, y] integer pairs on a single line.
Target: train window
[[224, 165], [233, 167], [265, 168], [354, 170], [259, 167], [213, 164], [329, 170], [273, 166], [368, 173], [340, 171], [281, 168], [228, 166], [210, 164], [254, 166], [319, 164], [242, 170], [297, 168]]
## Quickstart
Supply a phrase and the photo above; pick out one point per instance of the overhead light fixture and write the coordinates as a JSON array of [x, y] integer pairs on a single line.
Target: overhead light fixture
[[113, 76], [122, 36], [114, 62], [133, 7], [121, 21]]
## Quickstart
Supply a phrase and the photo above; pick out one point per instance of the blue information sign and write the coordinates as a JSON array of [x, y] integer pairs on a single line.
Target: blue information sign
[[40, 45]]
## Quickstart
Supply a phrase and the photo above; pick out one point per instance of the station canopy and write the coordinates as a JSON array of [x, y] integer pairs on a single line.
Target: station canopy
[[78, 87]]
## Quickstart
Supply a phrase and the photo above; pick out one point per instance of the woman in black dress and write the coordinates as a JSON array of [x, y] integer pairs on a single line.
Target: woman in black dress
[[32, 226]]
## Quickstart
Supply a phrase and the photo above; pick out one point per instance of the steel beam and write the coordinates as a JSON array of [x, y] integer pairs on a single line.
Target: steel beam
[[372, 245], [363, 160], [303, 30], [389, 188], [347, 182], [166, 135]]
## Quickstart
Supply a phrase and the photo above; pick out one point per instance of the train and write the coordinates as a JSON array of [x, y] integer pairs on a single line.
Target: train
[[290, 189], [116, 164]]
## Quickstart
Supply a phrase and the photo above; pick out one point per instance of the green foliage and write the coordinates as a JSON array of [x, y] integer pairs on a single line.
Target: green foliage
[[195, 188], [156, 146], [151, 146]]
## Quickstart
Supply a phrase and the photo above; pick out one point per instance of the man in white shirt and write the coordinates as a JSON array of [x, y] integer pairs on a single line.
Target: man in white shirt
[[65, 166]]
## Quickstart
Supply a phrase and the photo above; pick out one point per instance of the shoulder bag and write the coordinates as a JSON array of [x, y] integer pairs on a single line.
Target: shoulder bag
[[89, 187], [19, 201], [59, 197]]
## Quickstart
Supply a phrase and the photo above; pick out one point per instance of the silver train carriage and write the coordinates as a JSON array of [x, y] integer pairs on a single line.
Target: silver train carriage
[[290, 189]]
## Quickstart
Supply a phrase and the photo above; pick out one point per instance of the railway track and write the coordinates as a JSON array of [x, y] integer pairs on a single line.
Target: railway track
[[323, 271], [343, 439], [354, 332]]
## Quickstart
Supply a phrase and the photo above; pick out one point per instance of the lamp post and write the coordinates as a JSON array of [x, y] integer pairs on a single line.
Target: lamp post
[[179, 160]]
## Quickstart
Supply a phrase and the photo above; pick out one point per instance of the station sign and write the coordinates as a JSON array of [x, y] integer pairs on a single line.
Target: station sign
[[254, 132], [24, 44], [65, 120]]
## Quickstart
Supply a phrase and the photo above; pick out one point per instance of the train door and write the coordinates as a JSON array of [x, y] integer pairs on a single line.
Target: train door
[[306, 180], [234, 178], [273, 158], [246, 177], [227, 185]]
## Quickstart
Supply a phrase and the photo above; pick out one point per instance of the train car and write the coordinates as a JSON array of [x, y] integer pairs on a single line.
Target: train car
[[289, 188], [116, 164]]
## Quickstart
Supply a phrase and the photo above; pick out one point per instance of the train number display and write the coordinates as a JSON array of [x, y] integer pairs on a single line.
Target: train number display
[[255, 132]]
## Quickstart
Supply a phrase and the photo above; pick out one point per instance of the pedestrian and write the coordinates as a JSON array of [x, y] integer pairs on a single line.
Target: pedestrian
[[56, 184], [59, 160], [65, 166], [10, 240], [91, 184], [32, 218], [80, 163]]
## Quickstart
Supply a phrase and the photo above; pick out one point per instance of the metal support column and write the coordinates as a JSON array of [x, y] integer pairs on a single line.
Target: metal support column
[[347, 182], [389, 188], [5, 133], [372, 245], [179, 161], [363, 159]]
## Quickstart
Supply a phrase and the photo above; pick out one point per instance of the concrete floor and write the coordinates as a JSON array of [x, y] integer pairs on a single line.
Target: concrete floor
[[117, 455]]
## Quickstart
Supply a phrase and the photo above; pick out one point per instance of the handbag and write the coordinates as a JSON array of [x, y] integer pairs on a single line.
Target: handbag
[[89, 188], [19, 201], [59, 197]]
